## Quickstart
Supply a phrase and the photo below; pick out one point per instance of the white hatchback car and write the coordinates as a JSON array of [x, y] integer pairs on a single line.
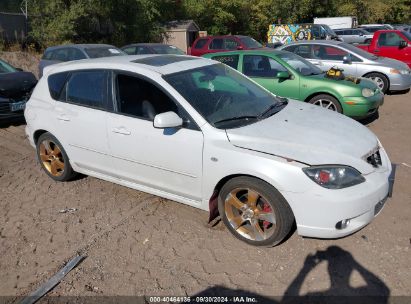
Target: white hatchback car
[[198, 132]]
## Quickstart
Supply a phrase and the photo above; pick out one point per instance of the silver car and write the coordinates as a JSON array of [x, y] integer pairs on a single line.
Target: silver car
[[354, 35], [389, 74]]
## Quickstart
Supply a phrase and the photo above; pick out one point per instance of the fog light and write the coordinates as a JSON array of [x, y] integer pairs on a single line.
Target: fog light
[[342, 224]]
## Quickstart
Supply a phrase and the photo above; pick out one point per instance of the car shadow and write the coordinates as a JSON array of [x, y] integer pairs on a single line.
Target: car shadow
[[340, 265], [369, 119], [12, 122]]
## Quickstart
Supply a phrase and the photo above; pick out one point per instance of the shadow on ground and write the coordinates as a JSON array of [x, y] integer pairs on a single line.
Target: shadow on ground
[[341, 265], [12, 122]]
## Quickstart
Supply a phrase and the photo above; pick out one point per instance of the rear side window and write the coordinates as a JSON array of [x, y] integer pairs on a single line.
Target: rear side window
[[217, 44], [47, 55], [130, 50], [88, 88], [200, 43], [56, 83], [230, 60]]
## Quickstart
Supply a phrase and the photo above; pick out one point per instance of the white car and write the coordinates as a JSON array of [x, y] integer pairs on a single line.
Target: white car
[[198, 132]]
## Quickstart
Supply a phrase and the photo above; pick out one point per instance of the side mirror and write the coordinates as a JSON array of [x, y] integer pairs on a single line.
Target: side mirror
[[283, 75], [167, 120], [403, 44], [347, 59]]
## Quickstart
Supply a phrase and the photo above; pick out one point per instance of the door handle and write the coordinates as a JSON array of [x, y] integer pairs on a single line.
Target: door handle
[[121, 130], [63, 117]]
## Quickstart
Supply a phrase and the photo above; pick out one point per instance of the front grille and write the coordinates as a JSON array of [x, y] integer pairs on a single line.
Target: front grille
[[4, 107]]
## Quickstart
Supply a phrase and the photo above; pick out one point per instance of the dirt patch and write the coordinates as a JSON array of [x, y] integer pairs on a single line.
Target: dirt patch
[[23, 60]]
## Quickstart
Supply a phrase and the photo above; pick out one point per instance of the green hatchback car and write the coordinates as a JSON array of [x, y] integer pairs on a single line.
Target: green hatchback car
[[288, 75]]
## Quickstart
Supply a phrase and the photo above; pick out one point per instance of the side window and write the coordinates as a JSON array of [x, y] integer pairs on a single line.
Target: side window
[[88, 88], [349, 32], [200, 43], [389, 39], [261, 66], [142, 99], [142, 50], [230, 60], [48, 55], [325, 52], [75, 54], [303, 51], [130, 50], [217, 44], [56, 83], [230, 44], [61, 55]]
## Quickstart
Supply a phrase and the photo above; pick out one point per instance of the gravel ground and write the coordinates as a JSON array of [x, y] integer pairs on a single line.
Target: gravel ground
[[139, 244]]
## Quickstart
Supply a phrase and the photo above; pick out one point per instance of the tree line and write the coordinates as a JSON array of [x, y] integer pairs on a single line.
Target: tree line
[[120, 22]]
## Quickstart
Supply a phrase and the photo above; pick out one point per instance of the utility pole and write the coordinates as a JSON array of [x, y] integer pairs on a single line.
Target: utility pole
[[23, 8]]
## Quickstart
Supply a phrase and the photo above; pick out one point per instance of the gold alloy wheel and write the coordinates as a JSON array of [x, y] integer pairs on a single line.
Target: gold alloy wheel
[[249, 214], [51, 157]]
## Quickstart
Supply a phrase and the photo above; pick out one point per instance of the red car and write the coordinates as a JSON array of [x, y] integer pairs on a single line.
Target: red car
[[392, 44], [214, 44]]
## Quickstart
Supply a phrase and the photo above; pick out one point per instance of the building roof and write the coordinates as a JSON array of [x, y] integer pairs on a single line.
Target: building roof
[[182, 26]]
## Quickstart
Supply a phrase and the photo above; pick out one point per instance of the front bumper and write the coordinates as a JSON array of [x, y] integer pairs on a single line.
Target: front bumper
[[5, 110], [319, 211], [399, 82], [362, 107]]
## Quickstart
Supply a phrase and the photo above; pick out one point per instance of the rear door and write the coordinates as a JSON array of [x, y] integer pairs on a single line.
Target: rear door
[[199, 47], [80, 115]]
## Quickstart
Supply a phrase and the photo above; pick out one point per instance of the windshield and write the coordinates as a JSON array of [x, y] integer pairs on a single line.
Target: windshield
[[407, 35], [299, 64], [250, 43], [358, 51], [6, 68], [223, 96], [98, 52], [328, 30], [167, 49], [373, 29]]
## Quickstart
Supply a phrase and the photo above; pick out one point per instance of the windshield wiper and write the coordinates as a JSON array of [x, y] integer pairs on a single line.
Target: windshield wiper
[[246, 117], [279, 106]]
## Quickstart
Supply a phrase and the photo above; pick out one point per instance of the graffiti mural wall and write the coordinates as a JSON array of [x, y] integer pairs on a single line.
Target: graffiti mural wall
[[286, 33]]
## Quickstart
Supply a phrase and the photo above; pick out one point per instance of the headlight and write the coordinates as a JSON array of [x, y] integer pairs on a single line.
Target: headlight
[[366, 92], [334, 177], [402, 72]]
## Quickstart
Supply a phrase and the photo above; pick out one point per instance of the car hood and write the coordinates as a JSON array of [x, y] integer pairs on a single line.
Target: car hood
[[309, 134], [16, 85], [349, 81]]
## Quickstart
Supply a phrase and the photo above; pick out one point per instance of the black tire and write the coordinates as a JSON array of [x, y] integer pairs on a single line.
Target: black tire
[[381, 80], [322, 99], [53, 158], [268, 202]]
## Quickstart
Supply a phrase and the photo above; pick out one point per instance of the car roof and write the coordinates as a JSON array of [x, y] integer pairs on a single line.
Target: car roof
[[323, 42], [249, 52], [163, 64], [222, 36], [80, 46], [144, 44]]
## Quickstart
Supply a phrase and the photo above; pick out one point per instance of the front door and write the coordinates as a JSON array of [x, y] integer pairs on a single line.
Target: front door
[[168, 159], [326, 57], [264, 69], [388, 45]]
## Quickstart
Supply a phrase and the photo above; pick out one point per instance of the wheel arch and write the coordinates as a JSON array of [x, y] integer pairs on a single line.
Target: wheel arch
[[213, 201], [37, 135], [324, 93], [376, 72]]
